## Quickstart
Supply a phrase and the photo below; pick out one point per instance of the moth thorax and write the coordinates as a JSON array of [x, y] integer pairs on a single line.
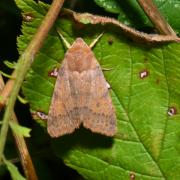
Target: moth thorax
[[80, 60]]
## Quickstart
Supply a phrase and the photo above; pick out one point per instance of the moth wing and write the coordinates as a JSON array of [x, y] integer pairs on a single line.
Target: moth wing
[[63, 117], [100, 116]]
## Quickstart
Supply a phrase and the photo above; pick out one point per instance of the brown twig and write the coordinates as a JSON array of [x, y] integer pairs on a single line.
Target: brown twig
[[87, 18], [1, 83], [24, 64], [6, 90], [22, 148], [156, 18], [24, 154]]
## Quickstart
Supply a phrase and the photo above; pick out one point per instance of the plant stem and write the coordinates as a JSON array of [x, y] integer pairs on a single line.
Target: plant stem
[[6, 90], [156, 18], [134, 34], [24, 64], [22, 148], [25, 157]]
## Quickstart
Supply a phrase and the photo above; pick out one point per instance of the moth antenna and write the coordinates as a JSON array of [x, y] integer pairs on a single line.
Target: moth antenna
[[63, 39], [95, 41]]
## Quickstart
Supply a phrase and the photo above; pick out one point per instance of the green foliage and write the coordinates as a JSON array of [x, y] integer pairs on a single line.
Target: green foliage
[[112, 6], [20, 130], [6, 75], [1, 98], [10, 64], [130, 13], [145, 82], [15, 175], [22, 100]]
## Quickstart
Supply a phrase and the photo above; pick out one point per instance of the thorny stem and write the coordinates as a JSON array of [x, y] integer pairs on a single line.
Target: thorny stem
[[24, 64], [134, 34], [156, 18]]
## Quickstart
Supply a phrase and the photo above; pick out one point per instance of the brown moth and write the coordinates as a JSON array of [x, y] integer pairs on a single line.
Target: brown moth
[[81, 95]]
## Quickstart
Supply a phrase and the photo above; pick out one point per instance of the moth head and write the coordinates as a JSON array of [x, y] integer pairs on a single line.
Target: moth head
[[79, 56]]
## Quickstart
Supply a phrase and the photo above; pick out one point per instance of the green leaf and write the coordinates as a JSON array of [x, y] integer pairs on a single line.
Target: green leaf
[[145, 82], [6, 75], [11, 65], [22, 100], [15, 175], [20, 130], [1, 98], [131, 13], [112, 6]]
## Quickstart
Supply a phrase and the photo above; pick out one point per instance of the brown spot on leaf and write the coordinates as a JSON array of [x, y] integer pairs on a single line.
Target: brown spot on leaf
[[132, 176], [110, 41], [53, 73], [145, 60], [143, 74], [157, 81], [172, 111], [28, 17]]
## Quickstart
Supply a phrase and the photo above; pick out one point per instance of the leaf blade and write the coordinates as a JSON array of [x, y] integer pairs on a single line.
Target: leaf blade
[[13, 171], [141, 96], [20, 130]]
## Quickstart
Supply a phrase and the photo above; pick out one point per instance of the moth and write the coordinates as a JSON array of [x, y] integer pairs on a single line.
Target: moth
[[80, 94]]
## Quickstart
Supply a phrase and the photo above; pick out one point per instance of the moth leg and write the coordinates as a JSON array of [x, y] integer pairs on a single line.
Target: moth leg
[[66, 43], [107, 69], [95, 40], [53, 73]]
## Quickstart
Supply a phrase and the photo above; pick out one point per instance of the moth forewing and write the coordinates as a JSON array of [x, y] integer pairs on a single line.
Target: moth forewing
[[81, 95]]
